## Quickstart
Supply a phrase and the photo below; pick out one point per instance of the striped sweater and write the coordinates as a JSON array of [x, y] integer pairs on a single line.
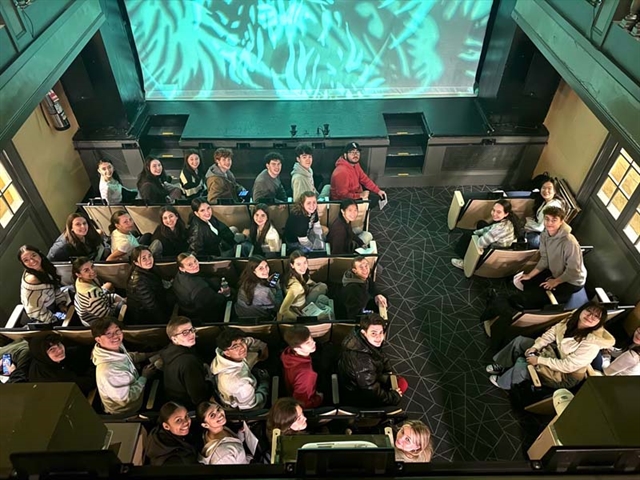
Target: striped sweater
[[38, 298], [93, 302], [499, 234]]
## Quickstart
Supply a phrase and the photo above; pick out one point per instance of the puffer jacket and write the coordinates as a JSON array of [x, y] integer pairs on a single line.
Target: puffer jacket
[[356, 294], [348, 179], [301, 181], [120, 385], [238, 388], [561, 254], [204, 241], [575, 356], [146, 297], [221, 185], [364, 373]]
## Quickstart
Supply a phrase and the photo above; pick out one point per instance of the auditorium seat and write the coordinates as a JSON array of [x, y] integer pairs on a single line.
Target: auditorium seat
[[497, 262], [467, 209]]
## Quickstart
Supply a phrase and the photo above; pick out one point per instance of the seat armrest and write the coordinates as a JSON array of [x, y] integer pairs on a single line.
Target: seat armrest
[[535, 379], [15, 316], [151, 401], [238, 251], [335, 391], [457, 203], [471, 258], [123, 312], [327, 248], [274, 444], [552, 297], [283, 249], [383, 312], [91, 396], [227, 311], [602, 295], [393, 379], [374, 247], [275, 389], [71, 311]]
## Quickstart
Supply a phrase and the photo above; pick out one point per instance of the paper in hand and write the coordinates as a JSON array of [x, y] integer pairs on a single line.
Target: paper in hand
[[250, 440], [517, 282], [382, 202]]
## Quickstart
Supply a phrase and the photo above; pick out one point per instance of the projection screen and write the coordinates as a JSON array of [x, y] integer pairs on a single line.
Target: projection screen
[[308, 49]]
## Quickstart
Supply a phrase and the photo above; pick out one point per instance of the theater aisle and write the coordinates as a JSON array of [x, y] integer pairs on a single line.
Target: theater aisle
[[436, 339]]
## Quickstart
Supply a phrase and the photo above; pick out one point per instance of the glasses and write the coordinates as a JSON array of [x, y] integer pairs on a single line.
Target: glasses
[[592, 314], [113, 334], [236, 346], [186, 332]]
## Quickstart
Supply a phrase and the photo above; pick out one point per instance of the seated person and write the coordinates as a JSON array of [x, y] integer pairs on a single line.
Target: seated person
[[303, 229], [111, 189], [364, 370], [123, 240], [170, 238], [155, 186], [267, 187], [120, 385], [263, 236], [301, 290], [93, 300], [259, 293], [236, 355], [147, 301], [341, 236], [302, 178], [548, 197], [413, 443], [79, 239], [20, 360], [221, 182], [207, 234], [192, 175], [171, 442], [222, 446], [299, 377], [51, 361], [560, 267], [627, 360], [200, 297], [348, 178], [41, 293], [185, 375], [359, 292], [561, 354], [287, 415], [502, 232]]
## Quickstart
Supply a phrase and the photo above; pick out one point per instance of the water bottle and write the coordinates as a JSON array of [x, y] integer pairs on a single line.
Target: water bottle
[[224, 286]]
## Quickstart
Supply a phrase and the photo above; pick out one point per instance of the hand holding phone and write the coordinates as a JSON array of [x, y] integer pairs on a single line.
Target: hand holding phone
[[273, 280], [7, 364]]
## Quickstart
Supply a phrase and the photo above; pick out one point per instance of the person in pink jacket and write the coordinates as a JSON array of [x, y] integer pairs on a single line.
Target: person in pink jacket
[[348, 178]]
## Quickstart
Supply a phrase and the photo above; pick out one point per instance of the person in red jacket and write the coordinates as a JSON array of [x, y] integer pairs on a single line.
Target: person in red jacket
[[348, 178], [299, 376]]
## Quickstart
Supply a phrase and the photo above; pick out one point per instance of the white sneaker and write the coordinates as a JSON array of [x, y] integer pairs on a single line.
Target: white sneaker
[[494, 379], [494, 369], [458, 263]]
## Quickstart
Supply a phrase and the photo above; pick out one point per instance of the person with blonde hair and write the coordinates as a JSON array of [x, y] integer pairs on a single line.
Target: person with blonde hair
[[413, 443]]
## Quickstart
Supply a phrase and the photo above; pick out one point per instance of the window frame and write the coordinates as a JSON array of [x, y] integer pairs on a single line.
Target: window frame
[[5, 161]]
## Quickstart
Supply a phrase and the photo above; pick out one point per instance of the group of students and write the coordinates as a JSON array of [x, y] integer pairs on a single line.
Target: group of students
[[219, 183]]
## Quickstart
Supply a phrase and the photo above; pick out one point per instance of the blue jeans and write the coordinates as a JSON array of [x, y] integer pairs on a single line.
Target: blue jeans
[[511, 357]]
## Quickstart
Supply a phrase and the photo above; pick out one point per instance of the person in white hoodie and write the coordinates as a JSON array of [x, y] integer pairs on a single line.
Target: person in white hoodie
[[560, 355], [235, 356], [627, 360], [302, 174], [120, 385], [560, 268]]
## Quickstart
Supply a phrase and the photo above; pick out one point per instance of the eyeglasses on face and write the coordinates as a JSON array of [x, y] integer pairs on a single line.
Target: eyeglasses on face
[[236, 346], [186, 332], [113, 333]]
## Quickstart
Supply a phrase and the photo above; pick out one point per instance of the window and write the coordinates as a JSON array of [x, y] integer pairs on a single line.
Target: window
[[620, 195], [10, 199]]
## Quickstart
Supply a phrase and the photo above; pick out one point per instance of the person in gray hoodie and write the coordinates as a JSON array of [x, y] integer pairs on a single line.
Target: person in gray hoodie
[[302, 174], [221, 183], [560, 268]]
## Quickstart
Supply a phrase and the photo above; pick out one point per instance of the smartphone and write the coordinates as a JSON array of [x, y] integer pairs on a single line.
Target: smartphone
[[6, 363], [60, 315], [273, 281]]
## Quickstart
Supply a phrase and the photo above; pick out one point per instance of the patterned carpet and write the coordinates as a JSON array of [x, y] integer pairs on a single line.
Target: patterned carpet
[[437, 341]]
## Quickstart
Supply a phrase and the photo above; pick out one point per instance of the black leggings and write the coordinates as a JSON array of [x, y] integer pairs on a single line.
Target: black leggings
[[534, 296], [463, 242]]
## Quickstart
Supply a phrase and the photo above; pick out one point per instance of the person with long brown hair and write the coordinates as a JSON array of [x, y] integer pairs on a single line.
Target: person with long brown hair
[[256, 296], [93, 300], [170, 238], [79, 239], [171, 441], [303, 229], [192, 175], [264, 236], [287, 416], [625, 361], [221, 445], [155, 185]]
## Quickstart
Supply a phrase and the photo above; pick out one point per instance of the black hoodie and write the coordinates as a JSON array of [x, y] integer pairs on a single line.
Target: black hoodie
[[165, 448], [76, 366], [355, 295], [185, 376]]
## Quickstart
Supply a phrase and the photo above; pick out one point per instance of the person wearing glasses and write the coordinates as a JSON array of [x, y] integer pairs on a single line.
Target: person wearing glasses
[[120, 385], [236, 355], [185, 374], [93, 300], [348, 178]]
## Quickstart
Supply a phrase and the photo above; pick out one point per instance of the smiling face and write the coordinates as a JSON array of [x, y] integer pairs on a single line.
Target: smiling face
[[155, 167], [169, 220], [374, 335], [547, 191], [204, 212], [274, 167], [406, 440], [552, 224], [300, 265], [190, 265], [178, 423], [56, 352], [306, 348], [636, 336], [224, 164], [145, 260], [105, 170], [193, 161], [362, 269], [260, 217], [350, 213], [498, 213], [79, 227], [31, 260], [310, 205], [589, 318], [125, 224], [111, 339], [214, 419], [237, 351], [262, 270], [306, 160], [87, 273]]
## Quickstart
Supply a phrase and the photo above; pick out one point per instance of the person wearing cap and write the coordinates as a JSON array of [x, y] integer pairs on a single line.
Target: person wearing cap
[[348, 178]]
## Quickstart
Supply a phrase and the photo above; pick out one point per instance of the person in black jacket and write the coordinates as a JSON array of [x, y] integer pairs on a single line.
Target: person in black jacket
[[51, 361], [364, 370], [207, 234], [200, 297], [341, 236], [79, 239], [359, 292], [192, 175], [155, 185], [147, 302], [171, 442], [185, 374], [303, 230], [170, 237]]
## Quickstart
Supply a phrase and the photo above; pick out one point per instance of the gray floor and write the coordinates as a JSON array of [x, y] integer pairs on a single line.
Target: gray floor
[[437, 341]]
